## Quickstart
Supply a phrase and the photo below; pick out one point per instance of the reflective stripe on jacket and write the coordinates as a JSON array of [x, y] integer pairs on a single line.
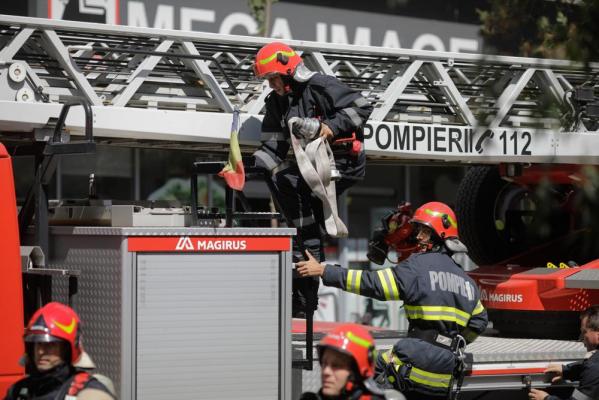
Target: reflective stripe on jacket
[[436, 292]]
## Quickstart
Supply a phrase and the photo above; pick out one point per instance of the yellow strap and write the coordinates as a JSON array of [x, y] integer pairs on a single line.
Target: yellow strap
[[358, 340], [274, 55], [440, 214]]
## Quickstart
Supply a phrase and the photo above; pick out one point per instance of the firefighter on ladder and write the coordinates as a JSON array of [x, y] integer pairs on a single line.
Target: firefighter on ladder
[[321, 106], [57, 367], [346, 356], [441, 302]]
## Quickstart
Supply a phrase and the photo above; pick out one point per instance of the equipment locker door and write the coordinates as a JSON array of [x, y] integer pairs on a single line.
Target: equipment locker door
[[208, 326]]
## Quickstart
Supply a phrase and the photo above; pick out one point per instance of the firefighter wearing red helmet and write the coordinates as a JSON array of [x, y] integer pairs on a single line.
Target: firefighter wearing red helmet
[[442, 304], [57, 367], [346, 356], [321, 106]]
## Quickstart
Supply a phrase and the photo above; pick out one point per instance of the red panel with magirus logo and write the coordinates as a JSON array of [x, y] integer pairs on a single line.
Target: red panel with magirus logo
[[208, 244], [541, 289]]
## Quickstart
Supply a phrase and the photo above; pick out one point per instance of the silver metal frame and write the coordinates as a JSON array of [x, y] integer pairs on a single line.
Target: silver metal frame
[[142, 88], [93, 245]]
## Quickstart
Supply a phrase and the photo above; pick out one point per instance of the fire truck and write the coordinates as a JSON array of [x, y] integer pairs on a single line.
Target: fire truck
[[177, 300]]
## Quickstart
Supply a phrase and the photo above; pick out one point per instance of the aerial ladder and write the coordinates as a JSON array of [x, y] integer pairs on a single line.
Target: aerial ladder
[[515, 120]]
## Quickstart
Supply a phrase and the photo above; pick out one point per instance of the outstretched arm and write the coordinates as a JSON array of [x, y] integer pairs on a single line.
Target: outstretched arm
[[380, 285]]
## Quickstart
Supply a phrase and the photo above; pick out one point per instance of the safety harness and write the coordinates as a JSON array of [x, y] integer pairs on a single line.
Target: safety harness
[[458, 347]]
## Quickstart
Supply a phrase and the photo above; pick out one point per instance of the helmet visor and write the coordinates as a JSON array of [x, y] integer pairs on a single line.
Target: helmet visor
[[41, 337]]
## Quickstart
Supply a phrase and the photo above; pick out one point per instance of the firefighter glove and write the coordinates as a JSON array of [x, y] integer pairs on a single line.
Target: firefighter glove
[[305, 128]]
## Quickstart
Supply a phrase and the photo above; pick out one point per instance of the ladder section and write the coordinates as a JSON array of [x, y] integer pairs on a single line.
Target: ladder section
[[177, 88]]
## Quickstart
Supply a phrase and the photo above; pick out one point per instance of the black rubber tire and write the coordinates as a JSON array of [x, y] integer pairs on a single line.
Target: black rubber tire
[[475, 202], [558, 325], [498, 219]]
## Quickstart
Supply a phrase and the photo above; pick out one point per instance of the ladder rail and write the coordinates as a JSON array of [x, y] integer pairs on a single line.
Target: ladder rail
[[196, 75]]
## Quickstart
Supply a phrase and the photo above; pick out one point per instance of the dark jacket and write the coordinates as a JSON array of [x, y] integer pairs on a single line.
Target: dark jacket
[[587, 373], [360, 393], [353, 396], [438, 295], [324, 97], [50, 385]]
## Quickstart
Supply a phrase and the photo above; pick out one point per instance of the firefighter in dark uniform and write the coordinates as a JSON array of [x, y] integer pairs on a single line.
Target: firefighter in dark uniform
[[441, 302], [346, 356], [586, 372], [324, 107], [57, 368]]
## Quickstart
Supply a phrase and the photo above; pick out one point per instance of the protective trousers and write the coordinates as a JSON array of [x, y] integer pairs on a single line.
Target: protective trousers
[[304, 211]]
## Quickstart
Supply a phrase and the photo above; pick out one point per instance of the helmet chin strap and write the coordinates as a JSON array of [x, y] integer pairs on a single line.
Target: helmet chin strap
[[287, 82], [424, 247], [351, 385]]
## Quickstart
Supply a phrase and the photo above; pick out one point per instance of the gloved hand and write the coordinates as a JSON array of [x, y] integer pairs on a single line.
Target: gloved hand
[[305, 128]]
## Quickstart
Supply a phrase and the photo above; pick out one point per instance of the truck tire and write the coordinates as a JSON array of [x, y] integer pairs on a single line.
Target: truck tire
[[498, 219], [475, 204], [558, 325]]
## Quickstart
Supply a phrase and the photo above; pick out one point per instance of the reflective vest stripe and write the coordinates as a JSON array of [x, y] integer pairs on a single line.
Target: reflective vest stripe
[[462, 314], [394, 289], [388, 283], [273, 56], [361, 102], [478, 309], [424, 381], [274, 136], [354, 277], [353, 115], [438, 313], [268, 160], [425, 377]]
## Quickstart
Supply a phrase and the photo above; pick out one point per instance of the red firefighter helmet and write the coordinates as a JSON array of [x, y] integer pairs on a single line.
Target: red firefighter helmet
[[439, 217], [276, 58], [56, 322], [399, 233], [355, 341]]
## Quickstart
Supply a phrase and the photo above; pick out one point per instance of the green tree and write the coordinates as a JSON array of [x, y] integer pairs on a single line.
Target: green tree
[[261, 11], [564, 29]]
